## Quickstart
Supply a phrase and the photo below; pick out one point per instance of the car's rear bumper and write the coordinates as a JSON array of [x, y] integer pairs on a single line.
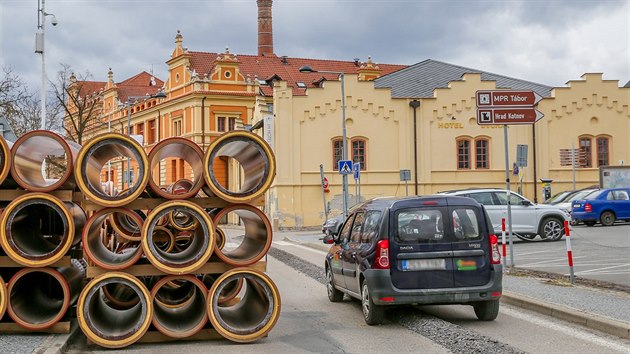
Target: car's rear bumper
[[381, 287], [583, 216]]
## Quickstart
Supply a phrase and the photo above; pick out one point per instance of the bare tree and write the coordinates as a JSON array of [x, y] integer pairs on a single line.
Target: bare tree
[[80, 104], [12, 92], [22, 108]]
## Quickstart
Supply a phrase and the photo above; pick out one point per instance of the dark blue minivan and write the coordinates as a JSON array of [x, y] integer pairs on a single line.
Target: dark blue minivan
[[416, 250]]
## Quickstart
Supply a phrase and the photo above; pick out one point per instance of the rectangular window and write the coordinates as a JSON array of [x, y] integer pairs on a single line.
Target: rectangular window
[[585, 149], [481, 154], [232, 124], [602, 152], [220, 124], [177, 127], [151, 134], [140, 129], [463, 154], [419, 225], [337, 153], [358, 152], [465, 225]]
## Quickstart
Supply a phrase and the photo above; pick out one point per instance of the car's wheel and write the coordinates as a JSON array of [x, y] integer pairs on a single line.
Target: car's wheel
[[607, 218], [551, 229], [590, 223], [487, 310], [334, 295], [373, 314]]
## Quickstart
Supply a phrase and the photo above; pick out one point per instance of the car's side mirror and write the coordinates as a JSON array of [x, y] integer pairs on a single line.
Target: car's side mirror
[[329, 239], [526, 203]]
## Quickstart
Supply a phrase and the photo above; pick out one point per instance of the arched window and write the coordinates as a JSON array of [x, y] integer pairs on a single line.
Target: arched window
[[586, 150], [463, 154], [337, 148], [359, 152], [603, 151], [482, 153]]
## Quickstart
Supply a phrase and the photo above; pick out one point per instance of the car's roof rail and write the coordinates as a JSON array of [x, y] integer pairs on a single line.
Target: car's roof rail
[[468, 189]]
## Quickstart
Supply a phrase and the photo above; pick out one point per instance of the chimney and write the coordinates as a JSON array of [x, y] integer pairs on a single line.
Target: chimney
[[265, 30]]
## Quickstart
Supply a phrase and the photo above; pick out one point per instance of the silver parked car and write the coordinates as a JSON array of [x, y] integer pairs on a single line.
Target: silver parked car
[[528, 219]]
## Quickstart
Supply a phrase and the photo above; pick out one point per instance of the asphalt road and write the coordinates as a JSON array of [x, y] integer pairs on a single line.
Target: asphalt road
[[310, 323], [599, 253]]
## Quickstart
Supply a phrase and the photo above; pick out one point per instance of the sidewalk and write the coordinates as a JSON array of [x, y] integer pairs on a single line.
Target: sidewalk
[[593, 306]]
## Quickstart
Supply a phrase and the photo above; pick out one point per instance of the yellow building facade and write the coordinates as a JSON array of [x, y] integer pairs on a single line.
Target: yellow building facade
[[587, 110]]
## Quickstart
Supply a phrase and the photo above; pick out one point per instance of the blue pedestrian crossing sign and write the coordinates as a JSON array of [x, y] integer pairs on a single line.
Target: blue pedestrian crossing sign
[[345, 167], [357, 170]]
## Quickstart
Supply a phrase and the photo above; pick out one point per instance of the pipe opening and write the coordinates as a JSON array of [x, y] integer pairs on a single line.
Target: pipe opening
[[163, 239], [37, 229], [108, 249], [252, 243], [116, 313], [190, 248], [126, 224], [179, 305], [253, 163], [122, 154], [39, 149], [183, 157], [253, 310], [38, 298], [229, 291]]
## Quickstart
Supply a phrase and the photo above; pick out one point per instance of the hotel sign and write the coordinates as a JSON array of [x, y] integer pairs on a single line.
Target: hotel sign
[[507, 107]]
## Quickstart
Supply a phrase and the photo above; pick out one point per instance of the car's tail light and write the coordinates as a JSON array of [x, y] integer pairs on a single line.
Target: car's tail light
[[494, 250], [382, 255], [588, 207]]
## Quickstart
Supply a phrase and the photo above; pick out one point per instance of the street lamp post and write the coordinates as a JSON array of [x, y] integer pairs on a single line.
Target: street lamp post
[[160, 94], [39, 48], [344, 177]]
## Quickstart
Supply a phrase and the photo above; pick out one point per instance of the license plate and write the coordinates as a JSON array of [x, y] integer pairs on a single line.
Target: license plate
[[423, 264], [576, 205]]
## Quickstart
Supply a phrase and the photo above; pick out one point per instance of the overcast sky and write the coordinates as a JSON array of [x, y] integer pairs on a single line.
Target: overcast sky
[[544, 41]]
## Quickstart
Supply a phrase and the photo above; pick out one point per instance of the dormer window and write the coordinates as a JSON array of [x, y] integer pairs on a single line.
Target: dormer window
[[262, 82]]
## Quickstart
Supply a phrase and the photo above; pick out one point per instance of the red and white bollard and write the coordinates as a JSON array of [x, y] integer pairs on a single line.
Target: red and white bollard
[[567, 233], [503, 240]]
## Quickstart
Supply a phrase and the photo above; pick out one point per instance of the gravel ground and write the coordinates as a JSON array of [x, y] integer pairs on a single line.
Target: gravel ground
[[601, 300], [451, 336], [21, 343]]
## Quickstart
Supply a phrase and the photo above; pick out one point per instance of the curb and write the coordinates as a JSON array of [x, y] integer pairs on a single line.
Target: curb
[[58, 343], [569, 314]]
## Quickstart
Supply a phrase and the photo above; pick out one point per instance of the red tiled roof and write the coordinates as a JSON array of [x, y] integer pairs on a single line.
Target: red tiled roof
[[266, 67], [138, 85], [89, 87]]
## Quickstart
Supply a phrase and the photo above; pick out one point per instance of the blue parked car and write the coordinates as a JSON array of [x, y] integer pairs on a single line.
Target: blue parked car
[[605, 206]]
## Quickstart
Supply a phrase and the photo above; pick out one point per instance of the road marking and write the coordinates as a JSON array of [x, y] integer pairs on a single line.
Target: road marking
[[285, 243], [576, 332], [552, 260], [598, 269], [528, 253]]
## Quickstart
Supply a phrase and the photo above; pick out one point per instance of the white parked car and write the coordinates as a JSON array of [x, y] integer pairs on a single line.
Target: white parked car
[[528, 219]]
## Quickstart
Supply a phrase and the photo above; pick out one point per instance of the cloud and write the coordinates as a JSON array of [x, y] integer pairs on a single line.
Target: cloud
[[548, 42]]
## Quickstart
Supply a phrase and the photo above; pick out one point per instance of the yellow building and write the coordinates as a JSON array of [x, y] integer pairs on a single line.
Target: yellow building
[[420, 118]]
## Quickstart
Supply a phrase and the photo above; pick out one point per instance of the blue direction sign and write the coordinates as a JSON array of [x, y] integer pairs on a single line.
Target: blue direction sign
[[345, 167], [356, 168]]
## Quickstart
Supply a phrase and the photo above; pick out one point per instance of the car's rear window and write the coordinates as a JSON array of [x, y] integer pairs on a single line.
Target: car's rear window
[[419, 225], [465, 224]]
